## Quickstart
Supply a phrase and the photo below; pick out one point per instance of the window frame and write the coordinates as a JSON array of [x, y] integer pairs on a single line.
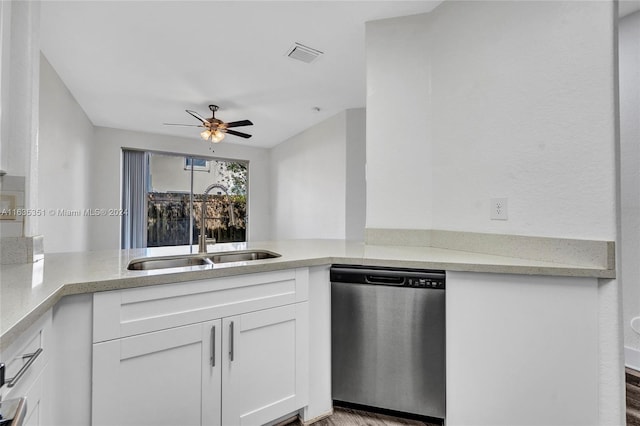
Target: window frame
[[197, 167], [208, 161]]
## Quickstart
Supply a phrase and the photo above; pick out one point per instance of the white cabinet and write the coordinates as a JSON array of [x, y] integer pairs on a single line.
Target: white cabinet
[[167, 377], [27, 360], [521, 349], [260, 378], [155, 362]]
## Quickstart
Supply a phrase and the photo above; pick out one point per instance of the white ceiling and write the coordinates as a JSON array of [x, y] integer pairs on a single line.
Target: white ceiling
[[136, 65]]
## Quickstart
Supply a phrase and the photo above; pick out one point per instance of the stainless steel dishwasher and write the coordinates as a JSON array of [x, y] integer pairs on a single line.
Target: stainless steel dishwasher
[[388, 338]]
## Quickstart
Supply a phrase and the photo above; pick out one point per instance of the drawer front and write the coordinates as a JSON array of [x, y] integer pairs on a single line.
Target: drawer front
[[123, 313], [19, 354]]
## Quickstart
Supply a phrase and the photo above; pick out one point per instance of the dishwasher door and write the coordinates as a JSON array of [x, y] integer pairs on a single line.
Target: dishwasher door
[[388, 343]]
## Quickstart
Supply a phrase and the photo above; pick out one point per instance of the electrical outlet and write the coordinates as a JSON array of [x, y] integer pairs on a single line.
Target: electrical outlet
[[498, 208]]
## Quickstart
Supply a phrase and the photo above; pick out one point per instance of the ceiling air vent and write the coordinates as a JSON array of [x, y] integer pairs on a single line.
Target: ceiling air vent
[[303, 53]]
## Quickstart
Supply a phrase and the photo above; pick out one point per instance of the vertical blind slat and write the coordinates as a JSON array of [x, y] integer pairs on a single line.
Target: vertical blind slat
[[134, 196]]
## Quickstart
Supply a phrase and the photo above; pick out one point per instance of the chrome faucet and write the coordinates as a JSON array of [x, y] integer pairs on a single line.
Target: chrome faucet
[[202, 240]]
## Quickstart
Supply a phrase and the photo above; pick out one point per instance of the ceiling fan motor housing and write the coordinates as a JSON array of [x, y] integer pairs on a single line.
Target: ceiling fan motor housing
[[213, 121]]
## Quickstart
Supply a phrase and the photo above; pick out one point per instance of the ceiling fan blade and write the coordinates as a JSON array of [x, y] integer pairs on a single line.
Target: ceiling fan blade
[[242, 135], [196, 115], [183, 125], [239, 123]]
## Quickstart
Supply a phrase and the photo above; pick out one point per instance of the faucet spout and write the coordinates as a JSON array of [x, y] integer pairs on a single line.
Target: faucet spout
[[202, 240]]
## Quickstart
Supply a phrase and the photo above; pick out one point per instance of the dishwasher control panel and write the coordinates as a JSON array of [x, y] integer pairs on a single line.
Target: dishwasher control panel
[[429, 282], [397, 277]]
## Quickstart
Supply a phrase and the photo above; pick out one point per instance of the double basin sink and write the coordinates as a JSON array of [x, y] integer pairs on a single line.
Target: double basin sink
[[179, 261]]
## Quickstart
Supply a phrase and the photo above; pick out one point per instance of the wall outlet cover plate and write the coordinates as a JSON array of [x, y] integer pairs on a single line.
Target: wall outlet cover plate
[[498, 208]]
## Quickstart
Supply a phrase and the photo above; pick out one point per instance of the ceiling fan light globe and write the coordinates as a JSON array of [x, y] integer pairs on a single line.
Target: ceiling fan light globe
[[217, 136], [206, 134]]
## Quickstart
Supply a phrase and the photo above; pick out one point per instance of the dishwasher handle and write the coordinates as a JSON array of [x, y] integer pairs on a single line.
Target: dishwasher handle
[[386, 280]]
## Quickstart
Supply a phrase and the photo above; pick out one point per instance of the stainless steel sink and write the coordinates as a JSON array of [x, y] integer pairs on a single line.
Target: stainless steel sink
[[180, 261], [167, 262], [241, 256]]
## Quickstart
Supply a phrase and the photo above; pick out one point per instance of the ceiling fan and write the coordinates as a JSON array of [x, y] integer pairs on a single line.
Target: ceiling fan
[[215, 129]]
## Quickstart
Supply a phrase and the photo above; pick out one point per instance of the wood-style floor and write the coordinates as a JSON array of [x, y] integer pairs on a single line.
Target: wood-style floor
[[633, 397], [349, 417]]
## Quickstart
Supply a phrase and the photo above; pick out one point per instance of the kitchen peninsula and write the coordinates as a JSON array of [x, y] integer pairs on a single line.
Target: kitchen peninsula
[[480, 288]]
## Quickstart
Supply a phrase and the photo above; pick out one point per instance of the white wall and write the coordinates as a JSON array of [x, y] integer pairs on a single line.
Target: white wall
[[65, 140], [629, 68], [317, 180], [494, 99], [308, 182], [533, 121], [398, 149], [106, 175]]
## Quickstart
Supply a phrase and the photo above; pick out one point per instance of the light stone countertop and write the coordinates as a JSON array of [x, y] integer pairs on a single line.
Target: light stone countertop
[[29, 290]]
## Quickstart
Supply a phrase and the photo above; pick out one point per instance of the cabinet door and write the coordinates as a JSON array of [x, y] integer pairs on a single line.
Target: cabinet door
[[265, 364], [169, 377]]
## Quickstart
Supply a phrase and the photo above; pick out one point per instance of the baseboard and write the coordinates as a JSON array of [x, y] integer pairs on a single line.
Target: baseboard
[[317, 418], [632, 358]]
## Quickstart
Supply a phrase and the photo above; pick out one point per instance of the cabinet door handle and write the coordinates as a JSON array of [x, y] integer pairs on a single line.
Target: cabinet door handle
[[32, 357], [213, 346], [231, 341]]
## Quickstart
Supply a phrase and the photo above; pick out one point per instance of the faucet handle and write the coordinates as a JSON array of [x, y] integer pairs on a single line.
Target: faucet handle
[[203, 241]]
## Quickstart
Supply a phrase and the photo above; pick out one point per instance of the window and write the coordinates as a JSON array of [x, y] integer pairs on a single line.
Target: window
[[174, 201], [199, 164]]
